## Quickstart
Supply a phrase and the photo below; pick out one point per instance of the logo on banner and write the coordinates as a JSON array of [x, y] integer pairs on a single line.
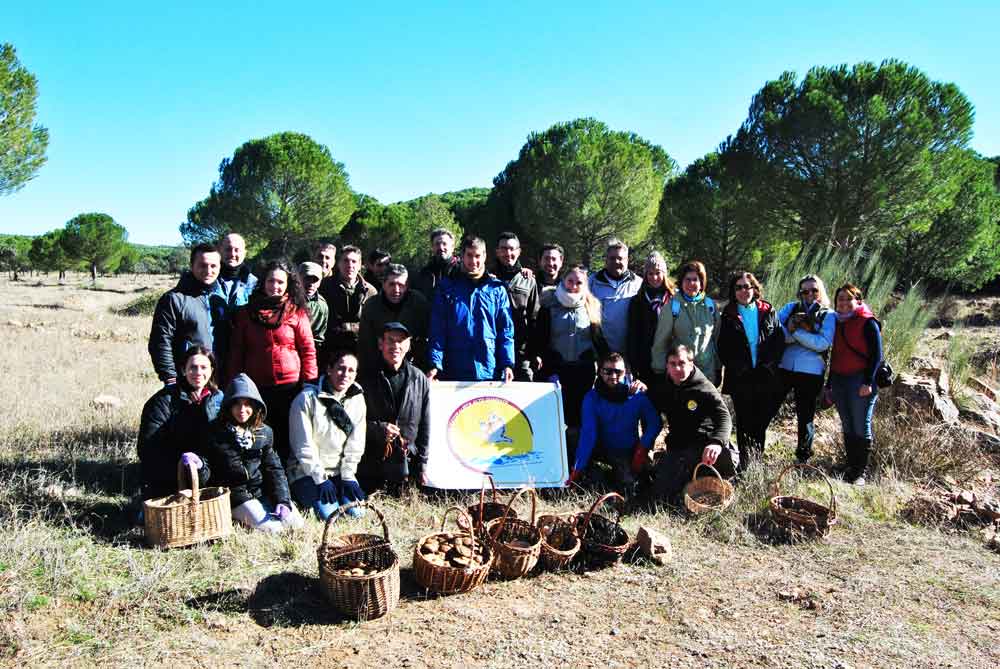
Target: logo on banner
[[489, 432]]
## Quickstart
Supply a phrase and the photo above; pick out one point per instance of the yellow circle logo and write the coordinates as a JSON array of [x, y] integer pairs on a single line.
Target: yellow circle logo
[[692, 405], [488, 432]]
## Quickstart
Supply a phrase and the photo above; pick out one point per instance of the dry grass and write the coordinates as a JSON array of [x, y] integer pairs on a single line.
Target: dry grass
[[78, 588]]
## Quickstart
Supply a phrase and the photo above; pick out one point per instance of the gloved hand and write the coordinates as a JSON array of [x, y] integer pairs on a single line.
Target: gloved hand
[[351, 490], [289, 517], [188, 459], [328, 492], [282, 511], [574, 476], [640, 458]]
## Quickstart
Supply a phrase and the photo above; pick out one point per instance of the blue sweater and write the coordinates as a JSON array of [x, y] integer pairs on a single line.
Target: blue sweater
[[615, 425], [805, 351]]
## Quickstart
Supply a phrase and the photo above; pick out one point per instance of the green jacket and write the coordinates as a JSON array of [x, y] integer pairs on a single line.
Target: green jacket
[[319, 315], [413, 312], [696, 326]]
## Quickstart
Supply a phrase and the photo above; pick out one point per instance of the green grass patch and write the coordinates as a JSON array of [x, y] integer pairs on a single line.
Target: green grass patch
[[144, 305]]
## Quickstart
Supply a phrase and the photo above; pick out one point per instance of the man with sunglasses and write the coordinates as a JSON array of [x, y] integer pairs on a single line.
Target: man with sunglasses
[[612, 415], [809, 329]]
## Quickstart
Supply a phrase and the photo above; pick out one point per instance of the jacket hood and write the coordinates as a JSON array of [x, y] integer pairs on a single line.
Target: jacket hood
[[192, 286], [243, 388], [762, 306]]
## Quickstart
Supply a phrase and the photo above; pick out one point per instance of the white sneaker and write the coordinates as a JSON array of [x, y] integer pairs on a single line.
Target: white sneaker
[[294, 520], [272, 526]]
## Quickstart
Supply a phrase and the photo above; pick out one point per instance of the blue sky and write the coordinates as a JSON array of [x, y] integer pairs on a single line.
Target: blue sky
[[143, 104]]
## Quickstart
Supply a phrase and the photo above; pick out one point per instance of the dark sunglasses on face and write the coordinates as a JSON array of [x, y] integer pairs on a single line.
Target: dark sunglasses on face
[[743, 286]]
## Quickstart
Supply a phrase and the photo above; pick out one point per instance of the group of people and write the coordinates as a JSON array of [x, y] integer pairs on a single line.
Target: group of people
[[327, 367]]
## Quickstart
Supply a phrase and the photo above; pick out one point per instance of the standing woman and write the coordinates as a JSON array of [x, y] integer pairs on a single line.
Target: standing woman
[[750, 346], [273, 345], [854, 362], [689, 318], [808, 336], [643, 315], [174, 423], [569, 340]]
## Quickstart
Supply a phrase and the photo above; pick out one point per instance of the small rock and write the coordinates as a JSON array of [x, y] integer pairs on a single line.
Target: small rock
[[654, 545], [15, 323], [107, 402], [615, 631], [945, 336]]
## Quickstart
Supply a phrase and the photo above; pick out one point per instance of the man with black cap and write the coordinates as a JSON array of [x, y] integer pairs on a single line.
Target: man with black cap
[[398, 413]]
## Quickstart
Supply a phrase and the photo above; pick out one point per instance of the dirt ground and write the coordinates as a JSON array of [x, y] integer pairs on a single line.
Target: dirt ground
[[77, 587]]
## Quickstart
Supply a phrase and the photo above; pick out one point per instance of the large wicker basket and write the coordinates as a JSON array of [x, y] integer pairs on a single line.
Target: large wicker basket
[[560, 540], [708, 493], [484, 512], [447, 579], [359, 596], [802, 518], [604, 541], [516, 543], [191, 516]]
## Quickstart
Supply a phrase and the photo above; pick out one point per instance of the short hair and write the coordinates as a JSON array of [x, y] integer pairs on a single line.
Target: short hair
[[851, 290], [378, 255], [677, 349], [199, 249], [326, 245], [824, 297], [232, 233], [751, 279], [393, 270], [437, 232], [339, 355], [698, 267], [613, 244], [552, 247], [350, 248], [472, 242], [190, 353], [506, 236], [612, 357]]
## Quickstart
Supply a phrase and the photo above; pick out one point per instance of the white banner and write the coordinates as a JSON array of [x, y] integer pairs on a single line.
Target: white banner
[[511, 430]]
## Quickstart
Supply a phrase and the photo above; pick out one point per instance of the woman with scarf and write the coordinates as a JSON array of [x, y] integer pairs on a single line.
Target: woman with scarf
[[690, 318], [569, 340], [174, 423], [750, 346], [273, 344], [643, 314], [855, 359], [808, 336]]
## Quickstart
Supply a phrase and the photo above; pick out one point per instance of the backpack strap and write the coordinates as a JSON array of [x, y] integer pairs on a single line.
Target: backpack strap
[[675, 306]]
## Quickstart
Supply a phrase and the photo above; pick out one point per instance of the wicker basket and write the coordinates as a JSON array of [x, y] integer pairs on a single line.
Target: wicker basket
[[698, 491], [365, 596], [484, 512], [560, 540], [514, 561], [604, 542], [447, 579], [189, 517], [802, 517]]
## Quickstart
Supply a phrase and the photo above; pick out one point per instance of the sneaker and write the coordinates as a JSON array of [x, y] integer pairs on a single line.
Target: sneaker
[[271, 526]]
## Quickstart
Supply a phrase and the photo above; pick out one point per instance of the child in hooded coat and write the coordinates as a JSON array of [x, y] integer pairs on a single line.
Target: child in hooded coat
[[240, 454]]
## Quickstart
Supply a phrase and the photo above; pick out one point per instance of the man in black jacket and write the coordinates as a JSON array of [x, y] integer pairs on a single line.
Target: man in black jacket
[[345, 292], [397, 398], [186, 316], [523, 292], [443, 263], [699, 427]]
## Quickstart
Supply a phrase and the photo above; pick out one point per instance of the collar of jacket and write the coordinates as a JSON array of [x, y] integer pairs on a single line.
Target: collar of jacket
[[763, 307], [324, 390], [618, 394], [242, 273], [397, 307], [192, 286], [627, 275], [696, 379], [505, 274]]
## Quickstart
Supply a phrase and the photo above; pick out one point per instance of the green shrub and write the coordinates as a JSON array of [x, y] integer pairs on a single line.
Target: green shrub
[[144, 305]]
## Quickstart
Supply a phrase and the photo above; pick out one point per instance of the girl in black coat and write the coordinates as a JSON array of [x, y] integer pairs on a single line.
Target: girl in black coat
[[750, 346], [240, 454]]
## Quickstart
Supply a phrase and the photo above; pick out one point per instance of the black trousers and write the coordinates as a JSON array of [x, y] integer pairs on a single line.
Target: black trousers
[[279, 400], [755, 407], [807, 388], [677, 466]]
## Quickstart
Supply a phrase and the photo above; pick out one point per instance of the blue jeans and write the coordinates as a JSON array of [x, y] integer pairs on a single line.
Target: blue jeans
[[855, 411], [305, 492]]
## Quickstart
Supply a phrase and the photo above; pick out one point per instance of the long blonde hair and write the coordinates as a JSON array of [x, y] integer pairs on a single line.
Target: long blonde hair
[[823, 298], [590, 303]]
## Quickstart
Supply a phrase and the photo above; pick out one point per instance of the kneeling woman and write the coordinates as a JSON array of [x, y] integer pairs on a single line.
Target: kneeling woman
[[856, 357], [327, 434], [240, 455], [175, 420]]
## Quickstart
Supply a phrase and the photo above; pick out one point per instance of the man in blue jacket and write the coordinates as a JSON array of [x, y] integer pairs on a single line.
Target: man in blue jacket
[[472, 330], [610, 429], [235, 284]]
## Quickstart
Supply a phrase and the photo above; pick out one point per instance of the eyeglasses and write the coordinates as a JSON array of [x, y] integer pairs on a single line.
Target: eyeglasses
[[743, 286], [612, 371], [809, 291]]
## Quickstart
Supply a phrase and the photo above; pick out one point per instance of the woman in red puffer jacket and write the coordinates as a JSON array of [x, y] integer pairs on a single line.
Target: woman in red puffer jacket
[[272, 343]]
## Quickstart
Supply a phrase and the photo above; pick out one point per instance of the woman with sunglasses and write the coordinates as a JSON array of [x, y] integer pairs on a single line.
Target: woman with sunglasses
[[808, 326], [750, 346]]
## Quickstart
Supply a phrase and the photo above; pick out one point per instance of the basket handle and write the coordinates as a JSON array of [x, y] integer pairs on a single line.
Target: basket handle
[[487, 476], [506, 512], [342, 509], [191, 473], [694, 475], [461, 513], [600, 500], [776, 486]]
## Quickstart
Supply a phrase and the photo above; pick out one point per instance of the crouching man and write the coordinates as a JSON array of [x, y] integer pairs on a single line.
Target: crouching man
[[699, 427], [609, 433], [398, 399], [326, 428]]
